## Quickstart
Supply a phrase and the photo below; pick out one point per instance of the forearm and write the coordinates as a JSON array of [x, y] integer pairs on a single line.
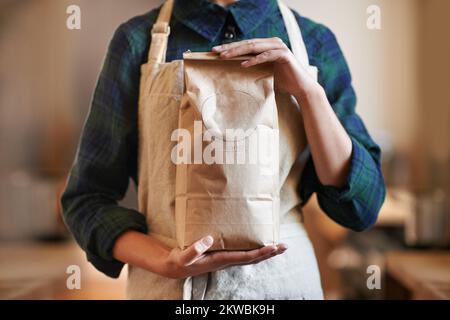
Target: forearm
[[148, 253], [141, 250], [329, 143]]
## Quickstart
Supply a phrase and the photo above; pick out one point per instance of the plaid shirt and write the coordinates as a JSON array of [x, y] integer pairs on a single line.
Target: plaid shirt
[[107, 155]]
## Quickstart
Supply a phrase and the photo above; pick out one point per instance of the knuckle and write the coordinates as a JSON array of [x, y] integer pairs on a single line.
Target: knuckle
[[277, 39], [285, 54]]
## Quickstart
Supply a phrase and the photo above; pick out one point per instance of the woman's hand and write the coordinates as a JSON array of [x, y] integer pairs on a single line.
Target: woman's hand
[[193, 260], [330, 145], [289, 75], [147, 252]]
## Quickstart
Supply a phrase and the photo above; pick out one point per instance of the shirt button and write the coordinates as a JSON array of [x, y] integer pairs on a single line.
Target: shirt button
[[230, 33]]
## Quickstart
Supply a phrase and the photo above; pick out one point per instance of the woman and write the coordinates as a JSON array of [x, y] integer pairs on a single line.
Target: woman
[[343, 166]]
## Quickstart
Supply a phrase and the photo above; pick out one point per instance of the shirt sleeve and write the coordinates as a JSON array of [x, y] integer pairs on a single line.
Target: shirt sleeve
[[356, 205], [105, 161]]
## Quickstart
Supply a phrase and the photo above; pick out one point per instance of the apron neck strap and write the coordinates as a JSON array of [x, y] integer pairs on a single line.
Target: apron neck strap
[[160, 34], [295, 36]]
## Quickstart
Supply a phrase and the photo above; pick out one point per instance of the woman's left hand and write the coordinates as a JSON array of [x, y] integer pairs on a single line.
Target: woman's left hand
[[330, 145], [289, 75]]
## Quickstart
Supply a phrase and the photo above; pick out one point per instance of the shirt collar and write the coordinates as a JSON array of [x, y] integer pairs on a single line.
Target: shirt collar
[[208, 19]]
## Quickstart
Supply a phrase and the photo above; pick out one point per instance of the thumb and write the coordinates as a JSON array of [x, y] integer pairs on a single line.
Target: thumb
[[196, 250]]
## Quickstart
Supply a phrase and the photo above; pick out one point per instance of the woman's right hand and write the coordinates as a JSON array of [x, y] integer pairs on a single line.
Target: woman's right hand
[[193, 261], [147, 252]]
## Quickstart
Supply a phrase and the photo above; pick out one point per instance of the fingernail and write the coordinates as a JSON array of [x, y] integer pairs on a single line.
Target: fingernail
[[208, 241], [204, 244], [217, 47]]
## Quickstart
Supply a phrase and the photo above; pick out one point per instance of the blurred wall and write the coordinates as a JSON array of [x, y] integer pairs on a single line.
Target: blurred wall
[[433, 134], [47, 72], [35, 81]]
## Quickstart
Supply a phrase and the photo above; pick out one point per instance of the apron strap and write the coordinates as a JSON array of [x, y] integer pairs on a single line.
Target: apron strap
[[295, 36], [160, 34]]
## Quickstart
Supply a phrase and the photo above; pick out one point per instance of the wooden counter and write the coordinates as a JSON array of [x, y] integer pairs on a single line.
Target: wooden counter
[[418, 275]]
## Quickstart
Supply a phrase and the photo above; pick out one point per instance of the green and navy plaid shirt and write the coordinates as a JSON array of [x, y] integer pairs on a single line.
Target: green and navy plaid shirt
[[107, 155]]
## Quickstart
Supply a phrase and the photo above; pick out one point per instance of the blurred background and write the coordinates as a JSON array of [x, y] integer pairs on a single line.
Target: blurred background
[[402, 78]]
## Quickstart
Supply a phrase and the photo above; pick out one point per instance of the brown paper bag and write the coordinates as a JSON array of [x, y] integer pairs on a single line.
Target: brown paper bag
[[227, 155]]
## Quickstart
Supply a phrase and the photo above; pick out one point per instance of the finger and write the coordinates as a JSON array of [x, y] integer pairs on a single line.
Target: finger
[[252, 47], [220, 260], [281, 248], [225, 259], [195, 251], [228, 46], [267, 56], [267, 257]]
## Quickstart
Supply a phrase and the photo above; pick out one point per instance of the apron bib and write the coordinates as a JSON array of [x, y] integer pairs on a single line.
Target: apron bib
[[292, 275]]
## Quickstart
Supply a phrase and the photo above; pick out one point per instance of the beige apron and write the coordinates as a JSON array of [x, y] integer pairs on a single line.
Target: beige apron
[[292, 275]]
